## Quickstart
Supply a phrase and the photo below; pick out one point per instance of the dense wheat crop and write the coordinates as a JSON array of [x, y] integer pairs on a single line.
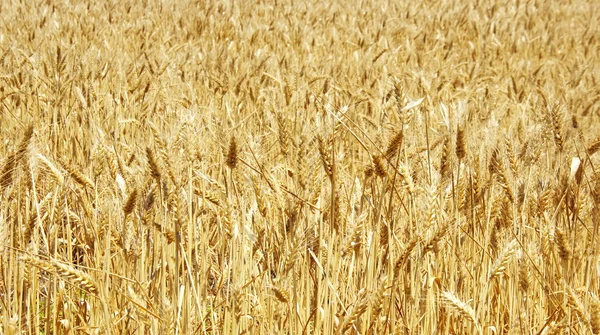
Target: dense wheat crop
[[299, 167]]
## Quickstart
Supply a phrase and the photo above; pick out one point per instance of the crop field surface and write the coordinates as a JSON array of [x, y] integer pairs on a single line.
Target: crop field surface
[[299, 167]]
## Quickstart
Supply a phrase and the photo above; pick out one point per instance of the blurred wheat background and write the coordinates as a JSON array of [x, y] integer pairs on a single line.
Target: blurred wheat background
[[299, 167]]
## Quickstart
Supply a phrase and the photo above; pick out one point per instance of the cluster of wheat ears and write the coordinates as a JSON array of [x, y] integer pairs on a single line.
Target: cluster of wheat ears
[[299, 167]]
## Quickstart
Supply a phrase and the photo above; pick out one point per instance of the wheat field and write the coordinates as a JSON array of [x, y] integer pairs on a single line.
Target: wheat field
[[299, 167]]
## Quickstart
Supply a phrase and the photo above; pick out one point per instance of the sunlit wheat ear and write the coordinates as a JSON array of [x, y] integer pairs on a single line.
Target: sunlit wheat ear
[[402, 259], [377, 302], [232, 154], [23, 145], [131, 202], [576, 304], [462, 308], [65, 271], [500, 265], [432, 244], [378, 167], [325, 157], [281, 295], [6, 174], [554, 328], [562, 241], [524, 277], [594, 146], [394, 145], [556, 127], [163, 151], [10, 163], [284, 139], [407, 178], [460, 144], [512, 159], [357, 311], [595, 315], [154, 168], [445, 158], [77, 175], [54, 171]]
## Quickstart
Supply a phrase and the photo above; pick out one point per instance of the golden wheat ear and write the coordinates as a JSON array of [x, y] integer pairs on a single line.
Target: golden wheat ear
[[232, 154]]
